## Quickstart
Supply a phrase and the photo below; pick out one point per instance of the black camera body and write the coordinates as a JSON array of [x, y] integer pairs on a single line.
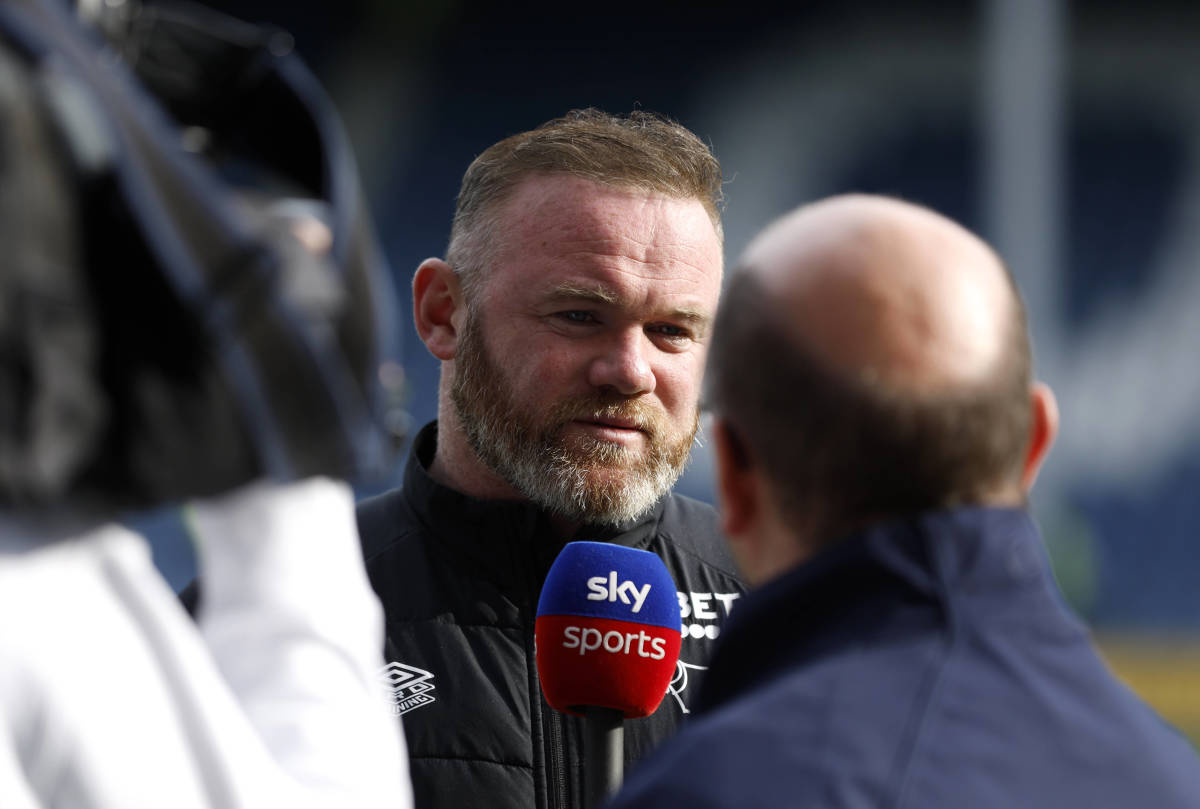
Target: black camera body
[[198, 343]]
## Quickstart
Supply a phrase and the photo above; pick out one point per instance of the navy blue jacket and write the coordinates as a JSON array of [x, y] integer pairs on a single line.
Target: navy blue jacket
[[922, 663]]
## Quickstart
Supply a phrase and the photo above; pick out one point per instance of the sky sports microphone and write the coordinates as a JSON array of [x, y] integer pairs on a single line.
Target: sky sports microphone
[[607, 638]]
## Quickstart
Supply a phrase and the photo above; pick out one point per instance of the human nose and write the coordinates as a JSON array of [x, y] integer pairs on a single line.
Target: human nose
[[623, 366]]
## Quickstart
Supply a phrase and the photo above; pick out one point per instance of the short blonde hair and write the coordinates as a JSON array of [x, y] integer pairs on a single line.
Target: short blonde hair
[[641, 150]]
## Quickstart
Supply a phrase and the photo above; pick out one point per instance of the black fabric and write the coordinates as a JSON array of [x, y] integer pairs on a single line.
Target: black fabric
[[459, 580], [922, 663], [218, 349], [50, 402]]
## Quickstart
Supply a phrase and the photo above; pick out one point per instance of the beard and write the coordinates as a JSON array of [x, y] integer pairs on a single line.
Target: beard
[[581, 478]]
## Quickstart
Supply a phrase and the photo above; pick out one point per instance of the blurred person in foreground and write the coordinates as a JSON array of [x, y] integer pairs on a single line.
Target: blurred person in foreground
[[877, 432], [571, 315], [117, 391]]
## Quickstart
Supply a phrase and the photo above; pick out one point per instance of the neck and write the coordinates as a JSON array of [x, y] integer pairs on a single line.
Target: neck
[[456, 465]]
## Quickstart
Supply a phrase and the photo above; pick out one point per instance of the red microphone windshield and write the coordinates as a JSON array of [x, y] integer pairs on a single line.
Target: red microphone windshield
[[608, 630]]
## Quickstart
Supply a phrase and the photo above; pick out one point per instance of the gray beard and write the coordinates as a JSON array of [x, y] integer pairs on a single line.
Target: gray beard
[[581, 479]]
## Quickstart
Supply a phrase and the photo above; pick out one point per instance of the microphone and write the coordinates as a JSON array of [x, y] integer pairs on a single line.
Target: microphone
[[606, 642]]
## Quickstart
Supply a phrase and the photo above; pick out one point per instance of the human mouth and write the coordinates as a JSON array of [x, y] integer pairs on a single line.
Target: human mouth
[[614, 429]]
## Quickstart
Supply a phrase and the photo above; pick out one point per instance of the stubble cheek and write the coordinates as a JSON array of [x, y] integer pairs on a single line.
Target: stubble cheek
[[551, 395], [678, 394], [679, 388]]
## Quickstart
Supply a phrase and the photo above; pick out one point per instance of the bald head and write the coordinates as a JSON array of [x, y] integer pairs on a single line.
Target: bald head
[[871, 356], [889, 292]]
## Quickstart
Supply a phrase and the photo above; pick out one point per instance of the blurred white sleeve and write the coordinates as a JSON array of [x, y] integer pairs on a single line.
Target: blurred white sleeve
[[295, 630]]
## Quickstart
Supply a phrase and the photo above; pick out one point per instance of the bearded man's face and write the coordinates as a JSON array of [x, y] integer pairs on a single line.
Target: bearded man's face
[[577, 473], [577, 368]]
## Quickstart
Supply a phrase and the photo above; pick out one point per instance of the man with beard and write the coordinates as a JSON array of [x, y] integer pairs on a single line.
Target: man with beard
[[571, 316]]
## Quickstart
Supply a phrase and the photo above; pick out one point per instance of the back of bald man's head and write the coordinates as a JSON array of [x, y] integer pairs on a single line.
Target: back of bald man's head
[[873, 356]]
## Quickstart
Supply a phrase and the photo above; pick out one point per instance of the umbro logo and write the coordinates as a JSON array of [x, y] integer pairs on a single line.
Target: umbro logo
[[409, 686]]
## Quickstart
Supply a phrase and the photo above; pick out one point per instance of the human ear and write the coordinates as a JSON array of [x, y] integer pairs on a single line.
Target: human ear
[[1042, 432], [437, 298], [736, 492]]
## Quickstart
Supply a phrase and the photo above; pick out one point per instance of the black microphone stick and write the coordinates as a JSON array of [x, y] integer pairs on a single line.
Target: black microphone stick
[[607, 635], [603, 754]]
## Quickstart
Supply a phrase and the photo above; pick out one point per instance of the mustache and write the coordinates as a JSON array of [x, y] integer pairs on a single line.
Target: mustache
[[640, 414]]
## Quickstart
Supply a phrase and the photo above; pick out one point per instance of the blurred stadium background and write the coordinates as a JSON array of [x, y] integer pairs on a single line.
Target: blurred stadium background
[[1068, 134]]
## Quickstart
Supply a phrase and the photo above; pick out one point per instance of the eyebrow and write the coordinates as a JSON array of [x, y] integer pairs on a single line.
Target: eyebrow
[[575, 292]]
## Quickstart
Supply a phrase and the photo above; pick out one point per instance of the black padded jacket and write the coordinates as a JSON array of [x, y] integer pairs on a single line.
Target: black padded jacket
[[459, 579]]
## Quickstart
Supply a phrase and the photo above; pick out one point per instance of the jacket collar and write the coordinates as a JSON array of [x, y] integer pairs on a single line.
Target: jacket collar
[[984, 557], [500, 533]]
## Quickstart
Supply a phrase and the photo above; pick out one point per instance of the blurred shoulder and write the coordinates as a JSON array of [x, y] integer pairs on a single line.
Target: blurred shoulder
[[720, 760]]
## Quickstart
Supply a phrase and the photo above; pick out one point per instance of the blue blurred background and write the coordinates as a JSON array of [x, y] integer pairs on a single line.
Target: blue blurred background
[[1068, 134]]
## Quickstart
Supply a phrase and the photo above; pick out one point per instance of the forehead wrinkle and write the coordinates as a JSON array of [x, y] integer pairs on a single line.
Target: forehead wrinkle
[[651, 251], [660, 261], [569, 215], [670, 265]]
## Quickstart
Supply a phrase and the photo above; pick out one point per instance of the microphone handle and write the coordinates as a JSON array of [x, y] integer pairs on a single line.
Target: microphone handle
[[604, 754]]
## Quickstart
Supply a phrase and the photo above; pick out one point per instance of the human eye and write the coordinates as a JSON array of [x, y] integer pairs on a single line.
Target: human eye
[[580, 316], [671, 334]]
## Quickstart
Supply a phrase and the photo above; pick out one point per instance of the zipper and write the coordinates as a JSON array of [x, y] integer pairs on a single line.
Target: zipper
[[556, 769], [553, 725]]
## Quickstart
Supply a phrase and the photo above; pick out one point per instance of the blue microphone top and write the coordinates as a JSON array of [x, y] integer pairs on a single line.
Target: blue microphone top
[[603, 580]]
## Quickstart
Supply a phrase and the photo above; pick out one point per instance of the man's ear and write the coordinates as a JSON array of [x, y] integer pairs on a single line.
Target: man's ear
[[1042, 431], [437, 307], [736, 492]]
